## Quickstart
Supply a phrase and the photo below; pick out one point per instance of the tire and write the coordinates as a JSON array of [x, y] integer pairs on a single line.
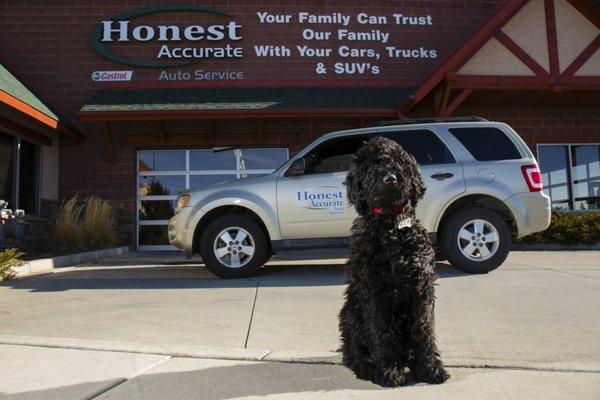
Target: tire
[[474, 253], [212, 246]]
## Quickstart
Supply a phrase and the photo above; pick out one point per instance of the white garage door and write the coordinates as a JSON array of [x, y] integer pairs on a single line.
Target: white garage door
[[163, 174]]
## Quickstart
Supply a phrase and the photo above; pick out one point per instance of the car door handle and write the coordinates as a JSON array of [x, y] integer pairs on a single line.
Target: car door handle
[[440, 176]]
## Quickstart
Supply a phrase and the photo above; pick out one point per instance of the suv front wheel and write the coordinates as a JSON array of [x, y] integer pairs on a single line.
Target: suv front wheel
[[233, 246], [476, 240]]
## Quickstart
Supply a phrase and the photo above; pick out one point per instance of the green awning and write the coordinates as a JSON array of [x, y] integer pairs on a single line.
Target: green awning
[[231, 99]]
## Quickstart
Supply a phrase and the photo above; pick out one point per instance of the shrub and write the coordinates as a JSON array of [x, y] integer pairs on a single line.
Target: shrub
[[569, 228], [69, 234], [99, 223], [9, 259]]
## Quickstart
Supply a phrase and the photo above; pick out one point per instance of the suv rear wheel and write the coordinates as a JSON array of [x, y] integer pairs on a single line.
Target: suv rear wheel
[[476, 240], [233, 246]]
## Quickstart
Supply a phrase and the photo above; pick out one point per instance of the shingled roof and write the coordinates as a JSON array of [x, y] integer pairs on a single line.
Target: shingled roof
[[18, 98], [12, 86], [259, 100]]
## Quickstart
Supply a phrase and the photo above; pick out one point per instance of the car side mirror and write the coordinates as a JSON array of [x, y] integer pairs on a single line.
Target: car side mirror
[[298, 167]]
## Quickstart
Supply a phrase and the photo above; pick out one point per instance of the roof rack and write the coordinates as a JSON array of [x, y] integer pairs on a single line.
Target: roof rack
[[431, 120]]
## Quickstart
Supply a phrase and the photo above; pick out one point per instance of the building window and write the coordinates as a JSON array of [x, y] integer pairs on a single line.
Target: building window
[[163, 174], [571, 175], [19, 173]]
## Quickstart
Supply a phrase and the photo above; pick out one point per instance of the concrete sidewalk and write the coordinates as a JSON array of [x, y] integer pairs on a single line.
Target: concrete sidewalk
[[79, 374], [528, 330]]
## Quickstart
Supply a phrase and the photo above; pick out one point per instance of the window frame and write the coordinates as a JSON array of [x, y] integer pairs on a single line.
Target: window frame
[[512, 140], [239, 173], [433, 132], [316, 147], [569, 172], [14, 202]]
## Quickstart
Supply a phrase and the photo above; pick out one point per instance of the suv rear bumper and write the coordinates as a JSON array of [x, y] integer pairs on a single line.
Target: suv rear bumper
[[531, 211]]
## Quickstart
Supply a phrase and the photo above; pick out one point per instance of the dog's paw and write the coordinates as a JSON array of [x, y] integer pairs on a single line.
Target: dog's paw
[[390, 378], [435, 375]]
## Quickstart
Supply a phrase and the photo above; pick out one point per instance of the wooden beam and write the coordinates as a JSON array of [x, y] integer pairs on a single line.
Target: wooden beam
[[21, 130], [162, 133], [211, 131], [520, 53], [110, 150], [582, 58], [525, 82], [468, 49], [552, 43], [261, 127], [311, 130], [456, 102], [444, 99]]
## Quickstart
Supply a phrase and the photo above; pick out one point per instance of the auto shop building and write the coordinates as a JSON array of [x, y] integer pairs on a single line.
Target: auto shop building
[[130, 100]]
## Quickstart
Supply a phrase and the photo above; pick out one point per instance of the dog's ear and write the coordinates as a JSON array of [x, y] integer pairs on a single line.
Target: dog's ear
[[354, 189], [418, 187]]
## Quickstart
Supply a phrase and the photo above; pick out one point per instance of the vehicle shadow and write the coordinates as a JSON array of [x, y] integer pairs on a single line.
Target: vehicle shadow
[[187, 276]]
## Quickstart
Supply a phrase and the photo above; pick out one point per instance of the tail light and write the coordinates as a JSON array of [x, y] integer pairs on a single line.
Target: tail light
[[533, 177]]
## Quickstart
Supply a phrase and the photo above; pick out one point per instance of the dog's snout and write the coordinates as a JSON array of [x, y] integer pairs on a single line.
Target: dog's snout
[[390, 178]]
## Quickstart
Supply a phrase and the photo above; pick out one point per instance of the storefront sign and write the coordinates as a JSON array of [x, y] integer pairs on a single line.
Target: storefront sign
[[348, 42], [121, 29]]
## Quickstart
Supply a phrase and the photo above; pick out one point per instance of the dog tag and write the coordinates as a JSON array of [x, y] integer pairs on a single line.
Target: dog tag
[[405, 223]]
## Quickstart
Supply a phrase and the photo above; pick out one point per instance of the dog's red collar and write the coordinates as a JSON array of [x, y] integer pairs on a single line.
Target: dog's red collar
[[379, 210]]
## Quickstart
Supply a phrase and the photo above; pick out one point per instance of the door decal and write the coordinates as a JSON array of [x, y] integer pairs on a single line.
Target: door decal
[[330, 198]]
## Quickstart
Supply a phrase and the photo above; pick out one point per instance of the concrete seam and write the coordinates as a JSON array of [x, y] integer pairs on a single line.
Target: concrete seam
[[103, 390], [122, 381], [252, 313], [304, 360]]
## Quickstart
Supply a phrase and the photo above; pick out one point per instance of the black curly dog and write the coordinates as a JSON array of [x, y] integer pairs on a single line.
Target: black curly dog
[[387, 320]]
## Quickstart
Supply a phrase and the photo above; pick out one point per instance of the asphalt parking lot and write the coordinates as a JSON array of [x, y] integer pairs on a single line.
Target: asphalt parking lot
[[157, 326]]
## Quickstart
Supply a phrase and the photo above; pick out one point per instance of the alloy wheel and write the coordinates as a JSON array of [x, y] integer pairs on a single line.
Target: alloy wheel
[[234, 247]]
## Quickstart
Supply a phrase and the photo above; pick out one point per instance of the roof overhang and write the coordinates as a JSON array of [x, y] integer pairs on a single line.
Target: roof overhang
[[241, 103], [37, 116], [24, 112]]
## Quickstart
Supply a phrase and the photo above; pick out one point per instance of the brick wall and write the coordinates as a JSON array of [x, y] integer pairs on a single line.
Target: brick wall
[[47, 43]]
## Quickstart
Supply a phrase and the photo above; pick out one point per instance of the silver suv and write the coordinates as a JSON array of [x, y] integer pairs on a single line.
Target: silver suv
[[483, 187]]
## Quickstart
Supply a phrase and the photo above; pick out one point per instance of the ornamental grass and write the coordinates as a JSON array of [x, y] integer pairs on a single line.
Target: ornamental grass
[[69, 234], [99, 223], [85, 225], [9, 259]]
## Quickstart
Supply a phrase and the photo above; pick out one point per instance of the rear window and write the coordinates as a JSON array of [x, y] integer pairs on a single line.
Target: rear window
[[424, 145], [486, 144]]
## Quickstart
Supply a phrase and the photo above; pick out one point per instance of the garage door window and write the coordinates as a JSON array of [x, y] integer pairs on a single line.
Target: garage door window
[[571, 175], [163, 174]]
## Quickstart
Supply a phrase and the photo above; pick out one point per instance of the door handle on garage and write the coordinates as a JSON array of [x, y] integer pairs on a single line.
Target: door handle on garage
[[440, 176]]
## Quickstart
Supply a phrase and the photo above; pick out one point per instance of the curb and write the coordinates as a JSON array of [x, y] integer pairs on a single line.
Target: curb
[[48, 264], [173, 350]]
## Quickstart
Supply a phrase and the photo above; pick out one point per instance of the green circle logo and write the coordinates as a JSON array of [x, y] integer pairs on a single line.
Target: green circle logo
[[100, 47]]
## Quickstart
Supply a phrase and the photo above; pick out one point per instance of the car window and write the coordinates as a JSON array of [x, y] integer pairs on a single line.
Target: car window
[[486, 144], [333, 155], [425, 146]]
